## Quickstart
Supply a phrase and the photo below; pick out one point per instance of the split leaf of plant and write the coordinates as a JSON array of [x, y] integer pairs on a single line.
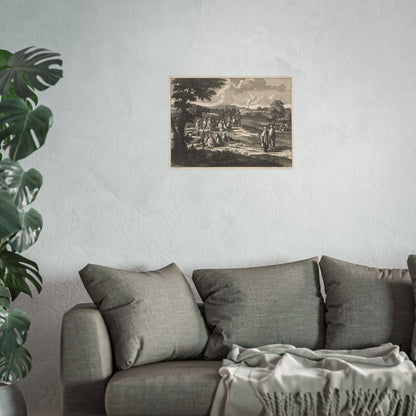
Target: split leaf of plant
[[26, 128], [15, 366], [23, 186], [9, 215], [4, 57], [30, 66], [15, 270], [31, 101], [13, 331], [32, 223], [4, 300]]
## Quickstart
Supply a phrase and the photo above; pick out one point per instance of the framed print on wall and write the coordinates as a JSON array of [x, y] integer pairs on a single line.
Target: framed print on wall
[[231, 122]]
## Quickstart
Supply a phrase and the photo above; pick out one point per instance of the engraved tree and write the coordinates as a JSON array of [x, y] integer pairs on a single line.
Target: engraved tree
[[184, 92], [277, 110]]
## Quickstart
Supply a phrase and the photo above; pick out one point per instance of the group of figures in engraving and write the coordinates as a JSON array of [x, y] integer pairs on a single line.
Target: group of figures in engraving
[[231, 122]]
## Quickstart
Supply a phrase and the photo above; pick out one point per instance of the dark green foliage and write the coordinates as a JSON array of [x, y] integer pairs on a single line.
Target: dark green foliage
[[15, 366], [31, 222], [4, 57], [9, 215], [19, 188], [4, 298], [21, 121], [31, 101], [24, 67], [15, 270], [15, 323], [15, 360], [23, 186], [23, 129]]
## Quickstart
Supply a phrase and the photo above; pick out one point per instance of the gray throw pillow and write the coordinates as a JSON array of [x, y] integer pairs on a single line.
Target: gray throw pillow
[[411, 263], [150, 316], [366, 306], [262, 305]]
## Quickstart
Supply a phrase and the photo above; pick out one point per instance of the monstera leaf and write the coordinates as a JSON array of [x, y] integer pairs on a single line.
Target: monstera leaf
[[13, 331], [4, 57], [4, 301], [31, 101], [15, 366], [33, 67], [10, 219], [22, 186], [17, 189], [27, 128], [31, 222], [15, 270], [15, 360]]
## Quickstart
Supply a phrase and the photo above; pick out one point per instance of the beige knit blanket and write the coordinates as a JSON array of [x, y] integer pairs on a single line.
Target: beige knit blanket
[[281, 380]]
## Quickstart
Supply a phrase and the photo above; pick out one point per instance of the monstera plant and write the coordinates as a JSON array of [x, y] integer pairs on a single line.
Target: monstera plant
[[23, 129]]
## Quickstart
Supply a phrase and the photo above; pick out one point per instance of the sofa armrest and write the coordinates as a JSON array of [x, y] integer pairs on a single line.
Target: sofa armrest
[[86, 361]]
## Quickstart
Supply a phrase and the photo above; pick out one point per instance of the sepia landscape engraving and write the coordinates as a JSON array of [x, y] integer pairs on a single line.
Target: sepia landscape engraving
[[231, 122]]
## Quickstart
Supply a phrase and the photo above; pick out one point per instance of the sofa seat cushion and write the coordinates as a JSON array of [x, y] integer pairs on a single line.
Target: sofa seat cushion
[[182, 388]]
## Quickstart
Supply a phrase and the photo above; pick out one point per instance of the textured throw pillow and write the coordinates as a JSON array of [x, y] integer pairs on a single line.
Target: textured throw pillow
[[411, 263], [151, 316], [262, 305], [365, 306]]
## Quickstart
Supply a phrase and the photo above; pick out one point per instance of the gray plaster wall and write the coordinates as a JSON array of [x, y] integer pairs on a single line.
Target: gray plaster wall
[[109, 196]]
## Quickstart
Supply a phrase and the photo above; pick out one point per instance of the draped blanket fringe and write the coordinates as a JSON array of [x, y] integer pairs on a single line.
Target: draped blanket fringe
[[358, 402], [282, 380]]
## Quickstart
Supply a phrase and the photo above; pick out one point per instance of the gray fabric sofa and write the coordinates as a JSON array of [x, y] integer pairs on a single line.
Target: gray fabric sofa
[[91, 386], [145, 349], [127, 354]]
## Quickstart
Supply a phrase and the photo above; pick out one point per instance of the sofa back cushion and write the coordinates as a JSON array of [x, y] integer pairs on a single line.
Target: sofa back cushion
[[262, 305], [411, 263], [366, 306], [150, 316]]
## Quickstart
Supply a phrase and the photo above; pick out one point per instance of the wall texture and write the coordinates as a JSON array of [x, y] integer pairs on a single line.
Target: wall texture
[[108, 195]]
